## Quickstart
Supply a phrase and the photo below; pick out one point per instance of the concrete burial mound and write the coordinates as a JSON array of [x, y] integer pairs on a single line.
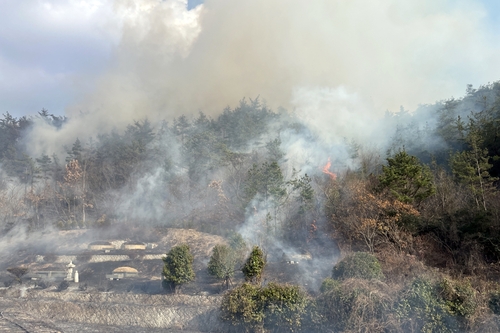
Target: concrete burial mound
[[133, 246], [101, 245], [123, 273]]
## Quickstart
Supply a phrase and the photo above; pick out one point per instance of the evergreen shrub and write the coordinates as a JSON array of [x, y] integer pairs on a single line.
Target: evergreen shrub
[[360, 265], [421, 309], [355, 305]]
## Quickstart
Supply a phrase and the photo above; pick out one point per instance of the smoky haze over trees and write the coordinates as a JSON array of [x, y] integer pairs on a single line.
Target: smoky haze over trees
[[195, 171], [250, 169], [430, 194]]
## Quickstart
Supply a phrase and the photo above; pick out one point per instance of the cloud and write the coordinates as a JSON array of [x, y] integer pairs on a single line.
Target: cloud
[[44, 44]]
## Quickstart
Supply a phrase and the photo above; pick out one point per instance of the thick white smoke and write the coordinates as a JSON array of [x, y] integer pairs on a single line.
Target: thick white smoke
[[378, 55]]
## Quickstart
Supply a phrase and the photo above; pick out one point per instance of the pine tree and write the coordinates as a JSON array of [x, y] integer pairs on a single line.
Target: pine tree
[[472, 166], [178, 267], [45, 164], [254, 266], [274, 151], [222, 262], [407, 179], [76, 151]]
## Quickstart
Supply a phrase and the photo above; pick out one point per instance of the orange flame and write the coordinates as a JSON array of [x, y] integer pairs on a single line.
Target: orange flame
[[326, 170]]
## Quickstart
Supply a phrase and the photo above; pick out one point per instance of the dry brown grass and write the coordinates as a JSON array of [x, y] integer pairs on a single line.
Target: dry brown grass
[[370, 310], [399, 267], [200, 243], [483, 319]]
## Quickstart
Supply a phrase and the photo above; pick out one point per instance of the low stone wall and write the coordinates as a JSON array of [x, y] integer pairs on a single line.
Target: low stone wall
[[181, 312], [153, 256], [65, 259], [104, 258], [126, 246], [101, 247], [100, 297]]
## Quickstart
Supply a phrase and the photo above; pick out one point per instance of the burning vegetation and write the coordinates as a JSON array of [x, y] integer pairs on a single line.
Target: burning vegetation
[[326, 170]]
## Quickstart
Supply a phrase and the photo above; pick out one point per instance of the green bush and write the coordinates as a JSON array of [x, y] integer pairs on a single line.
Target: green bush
[[254, 265], [178, 267], [421, 309], [360, 265], [356, 305], [413, 223], [222, 262], [329, 284], [239, 247], [276, 308], [459, 297], [242, 307], [406, 179], [283, 307], [312, 320]]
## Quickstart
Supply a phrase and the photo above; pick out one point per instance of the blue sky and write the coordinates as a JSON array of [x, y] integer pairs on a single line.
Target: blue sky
[[54, 53], [493, 7], [194, 3]]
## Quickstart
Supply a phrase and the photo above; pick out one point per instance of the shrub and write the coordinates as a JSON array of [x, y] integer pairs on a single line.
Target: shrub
[[312, 320], [18, 272], [178, 267], [254, 266], [356, 305], [459, 297], [283, 306], [63, 285], [222, 262], [50, 257], [42, 284], [328, 285], [239, 247], [360, 265], [86, 274], [412, 223], [83, 257], [242, 308], [276, 307], [421, 309]]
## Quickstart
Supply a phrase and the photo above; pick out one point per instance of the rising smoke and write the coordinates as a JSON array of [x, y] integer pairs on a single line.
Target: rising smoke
[[337, 64]]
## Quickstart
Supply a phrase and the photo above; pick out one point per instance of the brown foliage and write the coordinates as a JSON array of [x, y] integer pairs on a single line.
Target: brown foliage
[[359, 215], [358, 305], [399, 267], [73, 172]]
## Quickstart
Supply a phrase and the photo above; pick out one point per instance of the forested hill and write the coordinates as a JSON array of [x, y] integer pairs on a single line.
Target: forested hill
[[252, 168], [193, 168], [453, 125]]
